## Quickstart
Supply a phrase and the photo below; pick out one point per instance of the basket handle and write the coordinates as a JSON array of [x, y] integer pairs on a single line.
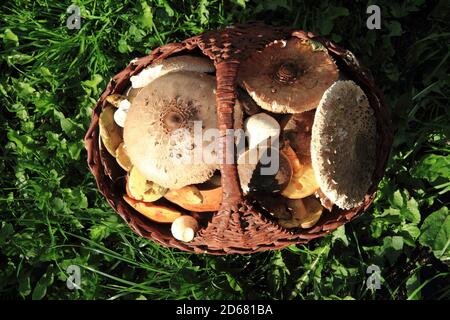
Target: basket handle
[[226, 74]]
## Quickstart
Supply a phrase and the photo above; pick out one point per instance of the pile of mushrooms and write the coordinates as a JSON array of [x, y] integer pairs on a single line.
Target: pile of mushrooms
[[326, 133], [291, 105], [149, 130]]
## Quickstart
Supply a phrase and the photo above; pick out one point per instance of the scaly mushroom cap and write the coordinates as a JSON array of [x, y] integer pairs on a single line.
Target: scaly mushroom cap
[[343, 144], [288, 76], [162, 129]]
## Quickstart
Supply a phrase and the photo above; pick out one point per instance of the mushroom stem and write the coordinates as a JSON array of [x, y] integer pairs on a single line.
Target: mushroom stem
[[226, 73], [184, 228]]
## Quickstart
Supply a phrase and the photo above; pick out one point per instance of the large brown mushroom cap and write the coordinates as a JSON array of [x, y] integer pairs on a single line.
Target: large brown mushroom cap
[[288, 76], [343, 144], [159, 129]]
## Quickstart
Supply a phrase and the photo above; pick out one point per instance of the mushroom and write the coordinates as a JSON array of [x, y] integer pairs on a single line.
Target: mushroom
[[122, 157], [165, 126], [131, 93], [259, 128], [121, 113], [122, 103], [297, 130], [162, 67], [194, 199], [184, 228], [139, 188], [288, 76], [305, 213], [157, 213], [263, 170], [110, 133], [249, 106], [343, 144], [303, 181], [326, 203], [114, 99]]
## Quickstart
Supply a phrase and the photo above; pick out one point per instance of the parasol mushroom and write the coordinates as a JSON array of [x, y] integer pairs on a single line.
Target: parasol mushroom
[[165, 126], [343, 144], [288, 76]]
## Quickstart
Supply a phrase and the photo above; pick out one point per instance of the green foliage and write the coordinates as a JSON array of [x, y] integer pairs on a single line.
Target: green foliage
[[52, 215], [436, 233]]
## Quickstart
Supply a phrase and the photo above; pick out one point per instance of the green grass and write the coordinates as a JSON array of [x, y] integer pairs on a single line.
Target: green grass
[[52, 215]]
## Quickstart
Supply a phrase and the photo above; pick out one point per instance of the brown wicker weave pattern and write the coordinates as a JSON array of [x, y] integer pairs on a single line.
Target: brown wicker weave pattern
[[238, 227]]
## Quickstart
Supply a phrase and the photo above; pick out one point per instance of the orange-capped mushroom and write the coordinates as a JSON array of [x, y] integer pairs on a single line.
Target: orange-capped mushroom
[[194, 199], [157, 213]]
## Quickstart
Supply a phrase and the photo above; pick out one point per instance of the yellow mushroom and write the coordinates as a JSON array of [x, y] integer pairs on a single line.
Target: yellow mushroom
[[194, 199], [110, 132], [139, 188], [303, 182]]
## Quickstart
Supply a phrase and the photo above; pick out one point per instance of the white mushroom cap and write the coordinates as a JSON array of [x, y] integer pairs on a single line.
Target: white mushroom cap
[[165, 125], [343, 144], [184, 228], [121, 113], [260, 127], [162, 67]]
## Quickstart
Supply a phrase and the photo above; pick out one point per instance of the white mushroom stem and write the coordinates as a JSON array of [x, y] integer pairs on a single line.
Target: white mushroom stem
[[184, 228], [261, 127], [121, 113]]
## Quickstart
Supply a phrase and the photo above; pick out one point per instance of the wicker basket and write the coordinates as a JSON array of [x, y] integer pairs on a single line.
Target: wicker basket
[[240, 226]]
